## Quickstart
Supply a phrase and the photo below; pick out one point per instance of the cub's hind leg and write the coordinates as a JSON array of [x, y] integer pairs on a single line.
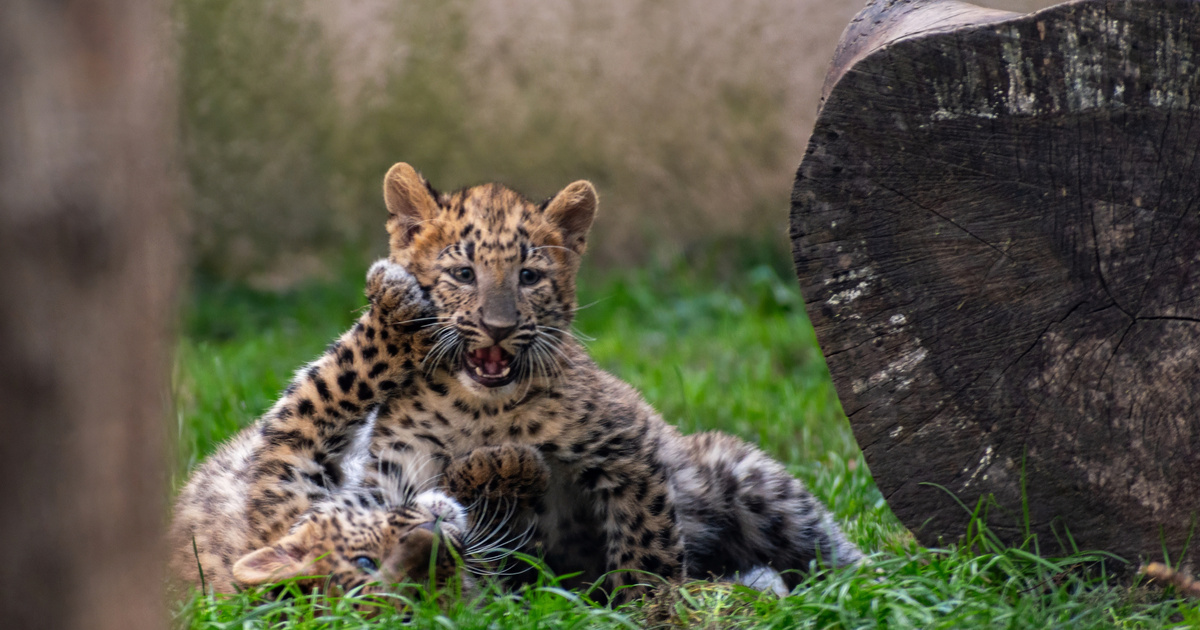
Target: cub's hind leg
[[741, 511]]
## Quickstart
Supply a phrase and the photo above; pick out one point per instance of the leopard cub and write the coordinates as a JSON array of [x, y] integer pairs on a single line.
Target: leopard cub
[[627, 495]]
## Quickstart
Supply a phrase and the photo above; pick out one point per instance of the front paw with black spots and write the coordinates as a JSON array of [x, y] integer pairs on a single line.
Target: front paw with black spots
[[397, 298], [512, 472]]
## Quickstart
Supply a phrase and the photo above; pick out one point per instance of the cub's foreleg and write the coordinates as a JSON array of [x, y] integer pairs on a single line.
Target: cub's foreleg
[[306, 433], [512, 473], [503, 487]]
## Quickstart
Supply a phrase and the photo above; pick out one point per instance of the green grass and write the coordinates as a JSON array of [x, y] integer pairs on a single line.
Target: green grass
[[712, 348]]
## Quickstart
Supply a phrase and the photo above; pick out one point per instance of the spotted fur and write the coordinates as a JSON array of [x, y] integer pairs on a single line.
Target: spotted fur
[[283, 498], [348, 543], [326, 544], [627, 494]]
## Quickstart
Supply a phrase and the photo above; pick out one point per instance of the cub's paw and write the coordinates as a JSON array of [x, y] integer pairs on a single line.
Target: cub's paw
[[509, 471], [396, 296]]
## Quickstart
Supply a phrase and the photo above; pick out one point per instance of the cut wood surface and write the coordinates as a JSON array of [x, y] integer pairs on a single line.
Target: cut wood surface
[[996, 227]]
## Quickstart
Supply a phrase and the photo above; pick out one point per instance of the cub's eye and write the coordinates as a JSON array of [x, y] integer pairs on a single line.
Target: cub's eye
[[530, 276], [366, 563], [463, 274]]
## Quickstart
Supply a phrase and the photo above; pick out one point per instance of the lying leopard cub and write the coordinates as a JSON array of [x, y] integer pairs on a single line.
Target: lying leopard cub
[[343, 540], [349, 542], [281, 500], [627, 493]]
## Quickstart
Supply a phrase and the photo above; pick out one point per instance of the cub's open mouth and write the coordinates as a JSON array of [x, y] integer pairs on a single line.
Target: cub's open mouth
[[489, 366]]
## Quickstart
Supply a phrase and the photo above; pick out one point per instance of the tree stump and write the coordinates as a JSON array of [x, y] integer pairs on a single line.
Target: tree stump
[[996, 227]]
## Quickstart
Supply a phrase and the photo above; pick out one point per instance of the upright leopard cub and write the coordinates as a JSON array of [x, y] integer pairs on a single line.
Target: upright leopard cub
[[627, 494]]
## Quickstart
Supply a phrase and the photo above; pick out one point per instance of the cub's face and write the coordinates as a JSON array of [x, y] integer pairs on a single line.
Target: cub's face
[[500, 270], [346, 544]]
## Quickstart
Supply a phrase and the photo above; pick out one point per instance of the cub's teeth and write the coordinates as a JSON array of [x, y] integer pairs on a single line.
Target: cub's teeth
[[479, 370], [505, 371]]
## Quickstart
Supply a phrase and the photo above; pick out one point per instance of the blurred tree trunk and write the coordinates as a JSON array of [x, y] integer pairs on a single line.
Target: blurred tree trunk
[[996, 230], [87, 273]]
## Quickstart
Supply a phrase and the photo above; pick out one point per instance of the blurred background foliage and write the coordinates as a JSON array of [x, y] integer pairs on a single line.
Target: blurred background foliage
[[689, 120], [689, 115]]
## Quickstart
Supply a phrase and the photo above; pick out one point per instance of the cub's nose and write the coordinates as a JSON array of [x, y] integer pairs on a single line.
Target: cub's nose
[[498, 331]]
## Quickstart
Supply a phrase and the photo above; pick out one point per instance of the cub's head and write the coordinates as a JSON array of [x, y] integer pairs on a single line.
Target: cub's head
[[347, 544], [500, 270]]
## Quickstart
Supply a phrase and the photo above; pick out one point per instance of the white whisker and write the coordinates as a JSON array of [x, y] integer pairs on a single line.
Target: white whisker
[[476, 528], [419, 319], [497, 572], [539, 356], [482, 539], [549, 347], [577, 335], [448, 340], [520, 539], [555, 345], [497, 529], [565, 249], [445, 321], [589, 304]]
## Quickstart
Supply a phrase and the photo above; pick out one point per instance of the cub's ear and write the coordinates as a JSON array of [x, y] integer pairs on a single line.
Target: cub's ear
[[410, 201], [572, 211], [287, 558]]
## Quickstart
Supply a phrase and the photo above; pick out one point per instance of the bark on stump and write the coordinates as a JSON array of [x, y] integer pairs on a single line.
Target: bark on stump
[[86, 275], [996, 227]]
